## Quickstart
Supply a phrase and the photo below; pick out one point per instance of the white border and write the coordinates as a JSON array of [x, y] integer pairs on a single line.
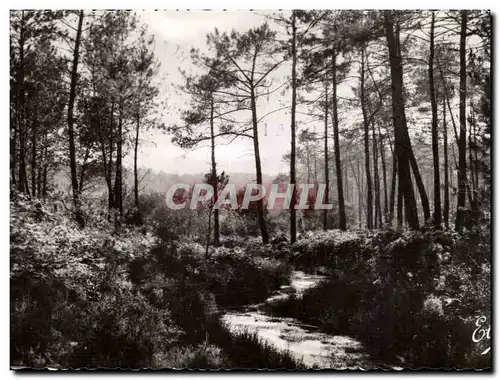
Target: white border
[[186, 4]]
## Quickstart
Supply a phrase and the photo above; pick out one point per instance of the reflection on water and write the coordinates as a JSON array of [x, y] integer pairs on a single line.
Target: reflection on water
[[303, 341]]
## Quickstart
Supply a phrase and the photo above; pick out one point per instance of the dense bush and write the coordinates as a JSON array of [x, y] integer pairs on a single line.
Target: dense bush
[[72, 302], [99, 297]]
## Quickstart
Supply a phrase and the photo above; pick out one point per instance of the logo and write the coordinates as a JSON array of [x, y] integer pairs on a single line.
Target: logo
[[481, 333], [278, 196]]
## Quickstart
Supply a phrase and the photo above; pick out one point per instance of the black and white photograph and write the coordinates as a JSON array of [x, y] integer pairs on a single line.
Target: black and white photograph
[[266, 190]]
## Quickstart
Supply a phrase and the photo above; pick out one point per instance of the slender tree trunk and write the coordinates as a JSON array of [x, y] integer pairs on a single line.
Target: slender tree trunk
[[258, 168], [346, 184], [435, 140], [376, 179], [42, 191], [358, 188], [308, 164], [453, 175], [327, 180], [106, 167], [447, 97], [136, 153], [402, 145], [462, 166], [393, 187], [315, 166], [338, 163], [471, 155], [418, 180], [293, 213], [13, 150], [83, 169], [39, 174], [209, 231], [33, 159], [476, 162], [44, 181], [71, 133], [21, 110], [369, 194], [214, 177], [119, 169], [362, 191], [384, 175], [111, 190], [400, 207], [446, 207]]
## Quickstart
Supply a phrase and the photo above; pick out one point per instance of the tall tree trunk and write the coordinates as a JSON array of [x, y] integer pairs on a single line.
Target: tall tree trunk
[[44, 181], [384, 175], [338, 163], [119, 169], [471, 155], [446, 207], [39, 172], [435, 139], [308, 164], [447, 97], [402, 145], [369, 193], [44, 167], [376, 180], [393, 187], [476, 162], [84, 168], [258, 168], [214, 177], [111, 190], [136, 152], [358, 188], [209, 231], [33, 158], [362, 191], [106, 167], [462, 165], [24, 164], [71, 133], [346, 184], [293, 213], [13, 148], [327, 180], [400, 207], [418, 180], [315, 166], [21, 109]]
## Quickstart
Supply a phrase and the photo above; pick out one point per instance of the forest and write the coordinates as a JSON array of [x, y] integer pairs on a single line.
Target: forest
[[388, 111]]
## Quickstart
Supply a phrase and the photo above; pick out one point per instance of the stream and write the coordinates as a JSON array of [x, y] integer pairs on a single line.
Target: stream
[[303, 341]]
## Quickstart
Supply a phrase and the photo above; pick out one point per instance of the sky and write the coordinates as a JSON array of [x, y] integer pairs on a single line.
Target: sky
[[175, 34]]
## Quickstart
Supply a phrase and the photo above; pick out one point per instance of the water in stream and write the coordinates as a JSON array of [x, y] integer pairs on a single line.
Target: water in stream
[[303, 341]]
